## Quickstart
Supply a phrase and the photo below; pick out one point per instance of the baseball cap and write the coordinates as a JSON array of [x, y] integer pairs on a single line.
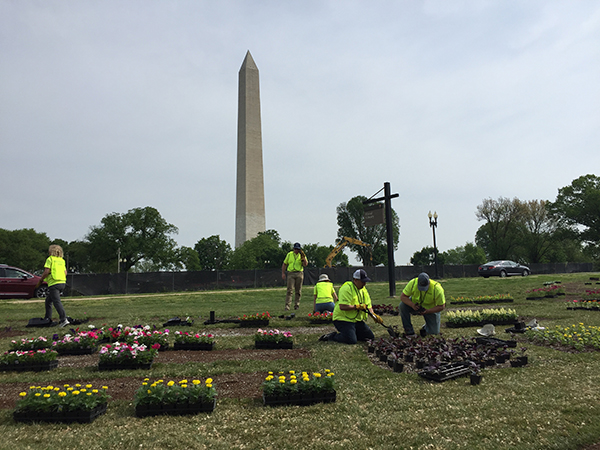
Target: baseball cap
[[423, 282], [361, 275], [297, 246]]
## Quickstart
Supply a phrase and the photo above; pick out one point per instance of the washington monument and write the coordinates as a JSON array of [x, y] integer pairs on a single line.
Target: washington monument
[[250, 191]]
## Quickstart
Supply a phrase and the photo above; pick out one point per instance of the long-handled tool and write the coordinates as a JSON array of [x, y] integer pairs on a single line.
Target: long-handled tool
[[393, 333]]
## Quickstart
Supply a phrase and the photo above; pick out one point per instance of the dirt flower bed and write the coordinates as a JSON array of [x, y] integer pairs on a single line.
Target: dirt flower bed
[[228, 385]]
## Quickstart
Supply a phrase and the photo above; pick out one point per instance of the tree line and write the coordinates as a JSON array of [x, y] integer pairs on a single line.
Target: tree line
[[140, 240], [535, 231]]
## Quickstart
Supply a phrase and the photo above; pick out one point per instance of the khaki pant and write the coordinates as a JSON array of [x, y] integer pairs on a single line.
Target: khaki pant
[[294, 283]]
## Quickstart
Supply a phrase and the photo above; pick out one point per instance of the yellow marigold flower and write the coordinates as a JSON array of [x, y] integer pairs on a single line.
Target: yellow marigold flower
[[270, 373], [37, 394], [83, 390], [209, 385], [292, 372], [183, 382], [149, 391], [144, 384], [170, 383], [46, 395], [75, 392], [160, 381], [105, 387], [184, 385], [327, 370], [209, 380], [146, 379], [330, 374], [57, 389], [77, 385], [89, 393], [66, 385], [62, 394], [281, 380], [293, 381], [31, 387], [23, 394], [317, 375], [153, 385], [88, 386], [95, 391], [196, 382]]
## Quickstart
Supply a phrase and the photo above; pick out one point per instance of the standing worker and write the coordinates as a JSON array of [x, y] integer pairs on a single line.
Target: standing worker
[[350, 312], [325, 296], [424, 297], [292, 269], [55, 271]]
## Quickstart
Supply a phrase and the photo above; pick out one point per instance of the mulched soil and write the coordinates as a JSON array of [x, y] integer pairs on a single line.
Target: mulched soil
[[229, 385]]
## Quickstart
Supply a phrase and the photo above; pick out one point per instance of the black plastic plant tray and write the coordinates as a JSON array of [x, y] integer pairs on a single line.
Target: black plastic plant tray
[[447, 371], [495, 342]]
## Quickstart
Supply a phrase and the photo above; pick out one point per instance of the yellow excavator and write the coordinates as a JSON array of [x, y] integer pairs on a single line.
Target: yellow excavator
[[340, 245]]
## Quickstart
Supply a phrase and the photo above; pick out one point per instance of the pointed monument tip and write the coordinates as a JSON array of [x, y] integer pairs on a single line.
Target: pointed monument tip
[[248, 62]]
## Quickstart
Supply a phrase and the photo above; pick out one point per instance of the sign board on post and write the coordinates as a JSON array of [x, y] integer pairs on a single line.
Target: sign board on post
[[374, 214]]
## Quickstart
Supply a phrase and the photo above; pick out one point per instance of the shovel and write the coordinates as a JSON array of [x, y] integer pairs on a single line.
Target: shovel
[[393, 333]]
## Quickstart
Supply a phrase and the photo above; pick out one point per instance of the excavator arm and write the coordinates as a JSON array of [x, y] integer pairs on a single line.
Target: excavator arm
[[340, 245]]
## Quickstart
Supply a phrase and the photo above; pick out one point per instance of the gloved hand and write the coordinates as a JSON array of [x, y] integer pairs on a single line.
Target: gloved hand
[[361, 307], [378, 319]]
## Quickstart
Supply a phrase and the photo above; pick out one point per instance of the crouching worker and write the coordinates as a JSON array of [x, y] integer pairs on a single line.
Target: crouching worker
[[424, 297], [350, 312]]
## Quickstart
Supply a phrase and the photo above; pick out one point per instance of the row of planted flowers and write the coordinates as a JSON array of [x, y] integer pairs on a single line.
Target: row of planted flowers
[[545, 292], [482, 299], [126, 355], [577, 336], [469, 318], [84, 403]]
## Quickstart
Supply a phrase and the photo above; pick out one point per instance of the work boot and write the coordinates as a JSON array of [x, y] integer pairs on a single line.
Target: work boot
[[328, 336]]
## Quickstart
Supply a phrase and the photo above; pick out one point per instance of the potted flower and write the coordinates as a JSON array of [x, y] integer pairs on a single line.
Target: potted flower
[[31, 360], [194, 341], [535, 294], [174, 398], [37, 343], [273, 339], [148, 337], [78, 403], [318, 318], [475, 375], [81, 343], [123, 356], [255, 320], [299, 388]]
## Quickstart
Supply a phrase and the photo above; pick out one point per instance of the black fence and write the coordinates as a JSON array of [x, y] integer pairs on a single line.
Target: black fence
[[141, 283]]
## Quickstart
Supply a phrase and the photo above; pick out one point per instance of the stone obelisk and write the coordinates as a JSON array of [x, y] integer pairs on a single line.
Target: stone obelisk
[[250, 191]]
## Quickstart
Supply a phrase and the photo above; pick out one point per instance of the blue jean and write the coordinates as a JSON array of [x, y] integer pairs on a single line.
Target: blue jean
[[432, 321], [351, 332], [320, 307], [53, 298]]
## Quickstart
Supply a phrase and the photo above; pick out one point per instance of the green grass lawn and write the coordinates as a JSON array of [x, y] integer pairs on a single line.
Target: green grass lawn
[[550, 404]]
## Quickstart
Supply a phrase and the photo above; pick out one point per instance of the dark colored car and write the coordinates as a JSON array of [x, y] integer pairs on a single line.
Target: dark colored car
[[502, 269], [17, 283]]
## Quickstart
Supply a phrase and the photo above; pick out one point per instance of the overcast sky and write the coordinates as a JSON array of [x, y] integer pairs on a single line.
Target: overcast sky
[[107, 106]]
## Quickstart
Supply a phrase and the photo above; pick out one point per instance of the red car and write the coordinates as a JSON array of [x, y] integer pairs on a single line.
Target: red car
[[17, 283]]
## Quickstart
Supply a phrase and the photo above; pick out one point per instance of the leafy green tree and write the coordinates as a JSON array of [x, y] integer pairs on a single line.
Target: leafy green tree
[[577, 208], [539, 230], [351, 223], [262, 252], [503, 230], [25, 248], [426, 257], [137, 235], [188, 259], [467, 254], [213, 253]]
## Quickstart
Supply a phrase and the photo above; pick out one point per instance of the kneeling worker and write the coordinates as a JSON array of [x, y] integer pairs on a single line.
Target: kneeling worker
[[350, 312], [425, 297]]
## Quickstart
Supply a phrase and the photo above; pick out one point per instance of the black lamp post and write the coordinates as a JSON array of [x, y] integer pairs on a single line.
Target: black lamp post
[[433, 225]]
